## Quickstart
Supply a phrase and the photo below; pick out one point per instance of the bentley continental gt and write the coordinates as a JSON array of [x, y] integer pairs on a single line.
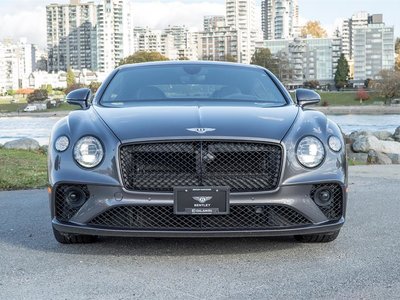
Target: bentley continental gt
[[196, 149]]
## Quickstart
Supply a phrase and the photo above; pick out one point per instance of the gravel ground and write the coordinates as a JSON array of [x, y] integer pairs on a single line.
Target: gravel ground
[[363, 262]]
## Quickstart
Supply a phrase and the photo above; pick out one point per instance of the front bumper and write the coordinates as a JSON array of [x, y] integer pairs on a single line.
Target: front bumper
[[297, 213], [310, 229]]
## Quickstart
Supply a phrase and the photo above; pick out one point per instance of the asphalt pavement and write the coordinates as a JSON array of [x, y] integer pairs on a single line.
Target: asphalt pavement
[[363, 263]]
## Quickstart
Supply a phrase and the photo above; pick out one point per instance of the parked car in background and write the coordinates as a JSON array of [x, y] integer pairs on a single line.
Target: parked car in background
[[196, 149], [30, 108]]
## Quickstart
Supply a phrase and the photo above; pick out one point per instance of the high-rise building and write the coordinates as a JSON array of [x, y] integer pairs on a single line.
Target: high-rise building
[[308, 59], [71, 36], [211, 22], [359, 20], [114, 33], [174, 42], [373, 51], [220, 44], [279, 19], [240, 16], [88, 35], [16, 63]]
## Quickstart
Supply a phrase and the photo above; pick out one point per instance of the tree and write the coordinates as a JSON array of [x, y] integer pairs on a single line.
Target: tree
[[362, 95], [312, 84], [342, 72], [389, 84], [397, 48], [94, 86], [71, 80], [314, 29], [37, 95], [284, 68], [230, 58], [263, 57], [143, 56], [73, 87]]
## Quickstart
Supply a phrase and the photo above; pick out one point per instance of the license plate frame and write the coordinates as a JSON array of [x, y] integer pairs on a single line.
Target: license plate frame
[[205, 200]]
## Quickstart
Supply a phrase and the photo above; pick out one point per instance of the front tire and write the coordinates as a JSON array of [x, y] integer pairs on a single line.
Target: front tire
[[317, 238], [70, 238]]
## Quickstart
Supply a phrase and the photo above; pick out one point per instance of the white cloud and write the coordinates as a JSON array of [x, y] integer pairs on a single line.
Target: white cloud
[[25, 23], [156, 14]]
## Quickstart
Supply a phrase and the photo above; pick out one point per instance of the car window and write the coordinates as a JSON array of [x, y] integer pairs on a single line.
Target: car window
[[191, 82]]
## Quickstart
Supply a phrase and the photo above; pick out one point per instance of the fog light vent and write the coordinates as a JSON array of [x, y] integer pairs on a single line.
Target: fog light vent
[[69, 199], [329, 198]]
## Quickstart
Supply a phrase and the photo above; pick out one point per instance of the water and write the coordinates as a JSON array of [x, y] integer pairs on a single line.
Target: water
[[12, 128], [18, 127], [350, 123]]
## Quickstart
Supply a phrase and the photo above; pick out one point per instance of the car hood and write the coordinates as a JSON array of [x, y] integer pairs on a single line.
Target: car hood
[[163, 120]]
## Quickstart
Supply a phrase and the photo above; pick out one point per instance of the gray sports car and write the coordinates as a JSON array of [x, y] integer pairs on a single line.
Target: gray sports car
[[196, 149]]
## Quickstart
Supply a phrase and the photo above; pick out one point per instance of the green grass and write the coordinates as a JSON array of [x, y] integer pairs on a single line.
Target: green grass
[[22, 169], [346, 99], [356, 162]]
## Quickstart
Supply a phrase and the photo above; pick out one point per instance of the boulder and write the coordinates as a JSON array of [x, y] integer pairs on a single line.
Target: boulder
[[366, 143], [395, 158], [378, 158], [396, 135], [356, 134], [24, 144], [356, 157], [382, 135]]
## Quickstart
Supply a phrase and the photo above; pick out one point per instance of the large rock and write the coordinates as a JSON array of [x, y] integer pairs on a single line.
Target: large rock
[[366, 143], [24, 144], [382, 135], [396, 134], [395, 158], [356, 134], [377, 158], [356, 157]]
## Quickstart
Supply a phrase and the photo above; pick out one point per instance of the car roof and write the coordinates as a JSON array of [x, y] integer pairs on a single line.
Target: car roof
[[189, 62]]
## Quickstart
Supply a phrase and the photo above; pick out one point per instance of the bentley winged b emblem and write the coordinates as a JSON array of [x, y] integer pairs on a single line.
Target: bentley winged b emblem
[[201, 130], [202, 199]]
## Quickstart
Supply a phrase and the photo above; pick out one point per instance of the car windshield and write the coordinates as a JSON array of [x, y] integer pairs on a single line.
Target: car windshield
[[191, 82]]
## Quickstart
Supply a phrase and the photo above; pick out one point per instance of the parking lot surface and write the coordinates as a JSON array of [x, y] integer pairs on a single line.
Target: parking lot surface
[[364, 262]]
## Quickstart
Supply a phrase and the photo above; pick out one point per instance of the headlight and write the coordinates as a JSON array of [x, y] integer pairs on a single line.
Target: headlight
[[61, 143], [310, 152], [334, 143], [88, 152]]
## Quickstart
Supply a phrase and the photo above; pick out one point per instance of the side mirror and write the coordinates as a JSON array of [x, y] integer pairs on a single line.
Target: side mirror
[[307, 97], [79, 97]]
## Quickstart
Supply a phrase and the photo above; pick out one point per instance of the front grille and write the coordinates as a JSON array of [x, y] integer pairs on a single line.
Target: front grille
[[241, 217], [242, 166], [63, 210], [334, 210]]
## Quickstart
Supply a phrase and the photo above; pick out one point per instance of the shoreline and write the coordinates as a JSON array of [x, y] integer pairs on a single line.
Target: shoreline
[[328, 110]]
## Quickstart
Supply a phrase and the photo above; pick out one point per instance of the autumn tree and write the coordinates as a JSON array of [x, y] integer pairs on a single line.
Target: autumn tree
[[362, 95], [37, 95], [314, 29], [389, 84], [342, 72], [143, 56], [71, 80], [264, 58], [94, 86]]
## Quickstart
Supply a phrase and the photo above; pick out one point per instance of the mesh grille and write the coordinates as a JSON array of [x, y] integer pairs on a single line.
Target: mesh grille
[[241, 217], [244, 167], [64, 212], [334, 210]]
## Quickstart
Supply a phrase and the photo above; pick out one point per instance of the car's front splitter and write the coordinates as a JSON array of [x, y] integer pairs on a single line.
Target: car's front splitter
[[90, 230]]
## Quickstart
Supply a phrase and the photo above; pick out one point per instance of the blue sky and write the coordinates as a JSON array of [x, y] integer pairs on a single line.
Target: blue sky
[[26, 18]]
